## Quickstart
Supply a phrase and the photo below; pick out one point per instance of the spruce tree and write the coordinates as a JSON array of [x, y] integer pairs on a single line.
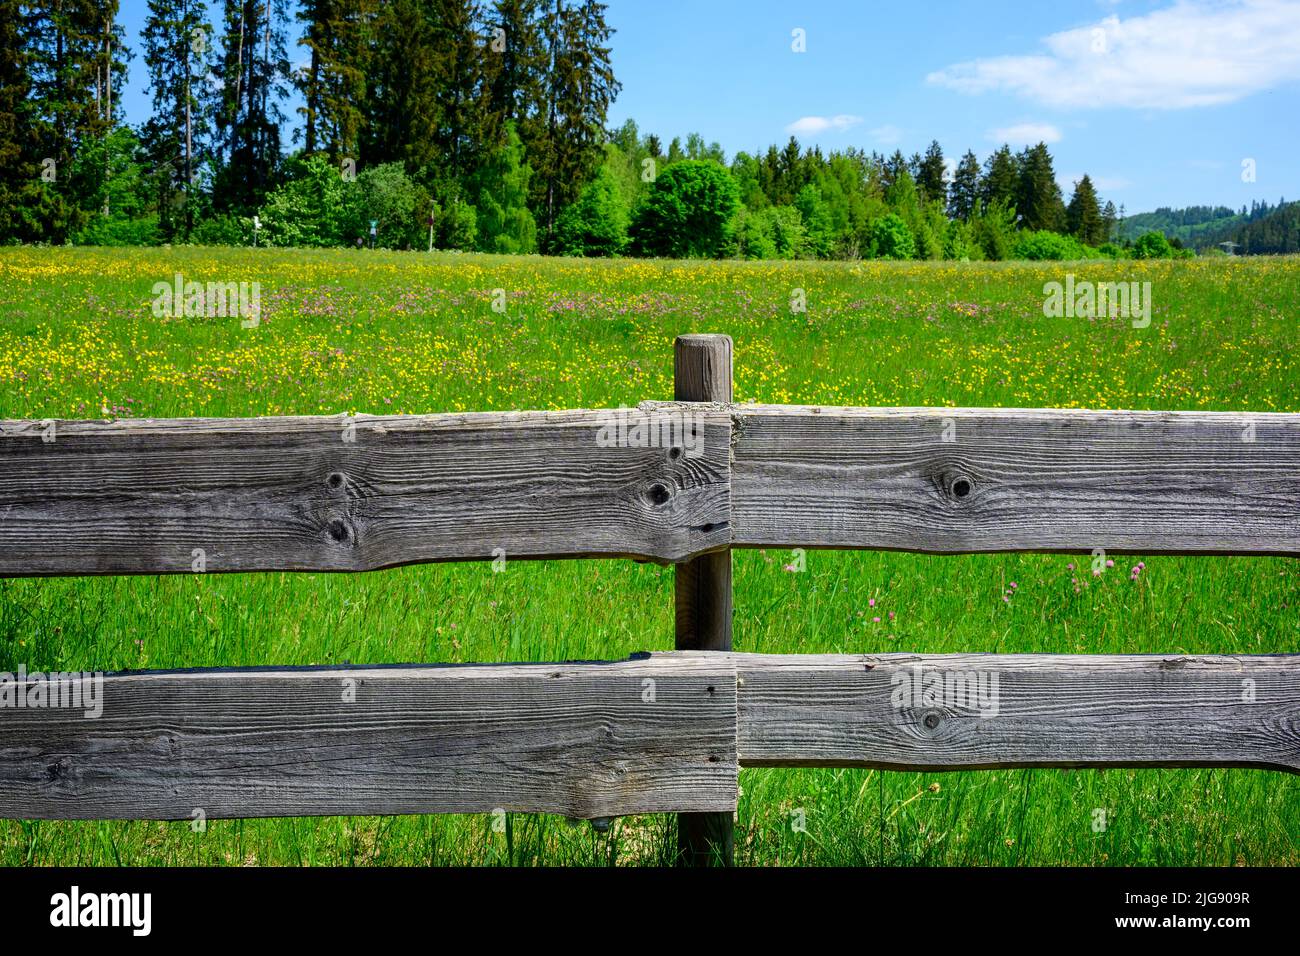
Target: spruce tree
[[1083, 215], [516, 62], [457, 57], [401, 111], [1109, 219], [176, 53], [1038, 195], [1001, 174], [579, 88], [930, 175], [964, 190], [20, 174], [253, 70], [76, 70]]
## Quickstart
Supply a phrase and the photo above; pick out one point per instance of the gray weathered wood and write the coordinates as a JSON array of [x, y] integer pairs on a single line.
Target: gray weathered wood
[[1051, 711], [1016, 480], [351, 494], [585, 740], [702, 372], [596, 740]]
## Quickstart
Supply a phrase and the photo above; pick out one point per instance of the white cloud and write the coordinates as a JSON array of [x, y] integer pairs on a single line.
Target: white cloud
[[888, 134], [811, 125], [1189, 54], [1025, 134]]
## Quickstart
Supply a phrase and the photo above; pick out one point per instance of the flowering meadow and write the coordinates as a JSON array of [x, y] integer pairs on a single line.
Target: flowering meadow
[[363, 331]]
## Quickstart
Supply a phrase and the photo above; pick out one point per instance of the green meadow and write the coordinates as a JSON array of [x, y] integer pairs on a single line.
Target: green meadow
[[379, 332]]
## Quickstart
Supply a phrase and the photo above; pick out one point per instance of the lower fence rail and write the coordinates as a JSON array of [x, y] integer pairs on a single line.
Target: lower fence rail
[[660, 732]]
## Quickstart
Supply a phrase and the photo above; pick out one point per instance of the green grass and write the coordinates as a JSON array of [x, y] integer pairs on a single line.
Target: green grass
[[378, 332]]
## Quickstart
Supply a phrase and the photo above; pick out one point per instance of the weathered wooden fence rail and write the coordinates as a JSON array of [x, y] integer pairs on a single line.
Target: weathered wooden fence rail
[[660, 732], [361, 493], [679, 482]]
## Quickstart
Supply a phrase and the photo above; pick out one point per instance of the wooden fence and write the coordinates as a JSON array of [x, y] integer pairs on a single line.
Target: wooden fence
[[680, 483]]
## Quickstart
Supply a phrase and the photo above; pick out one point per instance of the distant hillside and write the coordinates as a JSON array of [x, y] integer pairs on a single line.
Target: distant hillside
[[1260, 228], [1188, 225], [1273, 234]]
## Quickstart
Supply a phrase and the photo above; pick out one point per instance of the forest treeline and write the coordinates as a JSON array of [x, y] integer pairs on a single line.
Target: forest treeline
[[1260, 228], [465, 125]]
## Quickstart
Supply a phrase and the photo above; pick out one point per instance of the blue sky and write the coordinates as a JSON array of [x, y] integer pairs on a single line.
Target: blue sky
[[1161, 102]]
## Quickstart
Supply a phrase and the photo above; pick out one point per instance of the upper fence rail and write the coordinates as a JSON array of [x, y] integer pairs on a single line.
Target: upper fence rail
[[666, 481]]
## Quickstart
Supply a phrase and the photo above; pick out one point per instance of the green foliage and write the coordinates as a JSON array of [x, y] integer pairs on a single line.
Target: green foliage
[[1041, 244], [687, 212], [386, 194], [121, 231], [223, 230], [815, 214], [1038, 196], [1152, 245], [752, 235], [456, 225], [773, 232], [595, 225], [993, 228], [959, 242], [891, 239], [308, 209], [1083, 216], [964, 190], [109, 179]]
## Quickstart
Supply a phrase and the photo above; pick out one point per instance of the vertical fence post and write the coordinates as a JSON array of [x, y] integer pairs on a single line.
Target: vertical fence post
[[702, 373]]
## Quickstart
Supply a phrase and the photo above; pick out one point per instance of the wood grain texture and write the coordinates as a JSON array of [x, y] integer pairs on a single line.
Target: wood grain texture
[[576, 739], [140, 497], [702, 372], [1051, 711], [1016, 480], [582, 739]]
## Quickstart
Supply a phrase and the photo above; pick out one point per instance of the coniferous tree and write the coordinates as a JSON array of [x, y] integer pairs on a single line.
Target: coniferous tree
[[516, 66], [964, 190], [76, 70], [1001, 174], [316, 17], [931, 175], [1083, 216], [504, 221], [892, 168], [401, 112], [1038, 195], [338, 34], [1109, 218], [579, 88], [21, 187], [176, 54], [457, 81], [253, 74]]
